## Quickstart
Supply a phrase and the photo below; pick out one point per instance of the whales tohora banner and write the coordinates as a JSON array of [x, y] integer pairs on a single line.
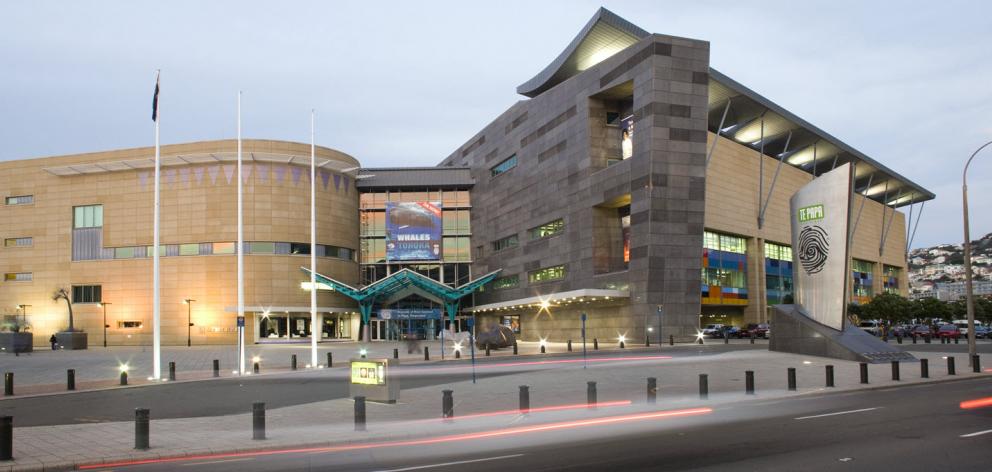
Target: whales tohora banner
[[820, 225], [413, 231]]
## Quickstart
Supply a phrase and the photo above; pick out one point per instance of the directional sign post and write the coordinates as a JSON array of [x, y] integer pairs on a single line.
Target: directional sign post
[[584, 360], [660, 309]]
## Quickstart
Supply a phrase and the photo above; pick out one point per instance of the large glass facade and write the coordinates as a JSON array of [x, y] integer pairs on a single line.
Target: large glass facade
[[890, 279], [724, 273], [861, 274], [778, 273]]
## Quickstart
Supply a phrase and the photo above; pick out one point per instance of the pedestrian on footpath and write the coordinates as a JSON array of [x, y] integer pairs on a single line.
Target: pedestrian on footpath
[[53, 340]]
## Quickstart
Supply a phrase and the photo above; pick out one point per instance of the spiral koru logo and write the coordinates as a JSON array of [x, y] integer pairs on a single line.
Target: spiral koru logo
[[813, 249]]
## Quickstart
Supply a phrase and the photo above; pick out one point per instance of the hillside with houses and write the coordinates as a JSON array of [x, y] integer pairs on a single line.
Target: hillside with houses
[[938, 271]]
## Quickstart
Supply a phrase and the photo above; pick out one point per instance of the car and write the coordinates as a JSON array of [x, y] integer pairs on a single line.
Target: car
[[755, 330], [982, 332], [963, 327], [900, 331], [920, 331], [948, 331], [710, 329], [871, 327]]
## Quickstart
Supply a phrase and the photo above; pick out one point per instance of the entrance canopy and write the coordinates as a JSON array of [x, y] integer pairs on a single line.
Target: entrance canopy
[[400, 285]]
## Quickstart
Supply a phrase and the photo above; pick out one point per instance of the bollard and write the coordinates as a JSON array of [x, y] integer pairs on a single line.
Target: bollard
[[524, 399], [622, 345], [956, 340], [704, 386], [254, 368], [595, 344], [330, 359], [924, 369], [447, 404], [591, 394], [899, 338], [700, 340], [515, 348], [70, 381], [749, 382], [914, 338], [427, 354], [8, 384], [830, 376], [652, 390], [124, 377], [543, 350], [6, 438], [292, 362], [726, 337], [458, 354], [172, 371], [258, 420], [864, 373], [950, 366], [752, 339], [792, 379], [216, 368], [976, 364], [671, 339], [396, 353], [895, 370], [647, 341], [141, 429], [569, 345], [359, 413], [487, 349], [926, 339]]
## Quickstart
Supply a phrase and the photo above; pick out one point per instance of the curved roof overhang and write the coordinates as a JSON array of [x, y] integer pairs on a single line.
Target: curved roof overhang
[[603, 36]]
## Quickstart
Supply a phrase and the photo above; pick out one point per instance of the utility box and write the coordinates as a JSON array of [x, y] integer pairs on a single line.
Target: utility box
[[373, 379]]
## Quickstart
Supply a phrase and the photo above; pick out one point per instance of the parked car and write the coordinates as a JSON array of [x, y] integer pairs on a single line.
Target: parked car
[[948, 331], [711, 329], [871, 327], [900, 331], [730, 332], [920, 331], [963, 327], [982, 332], [755, 330]]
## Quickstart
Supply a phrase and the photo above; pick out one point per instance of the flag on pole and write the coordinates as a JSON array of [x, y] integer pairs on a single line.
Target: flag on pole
[[155, 101]]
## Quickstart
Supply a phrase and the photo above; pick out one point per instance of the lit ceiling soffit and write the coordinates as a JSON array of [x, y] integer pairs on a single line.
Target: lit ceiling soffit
[[809, 148], [195, 159], [603, 36]]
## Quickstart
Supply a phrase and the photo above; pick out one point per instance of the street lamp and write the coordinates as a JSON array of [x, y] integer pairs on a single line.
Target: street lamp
[[189, 321], [967, 258], [24, 313], [105, 325]]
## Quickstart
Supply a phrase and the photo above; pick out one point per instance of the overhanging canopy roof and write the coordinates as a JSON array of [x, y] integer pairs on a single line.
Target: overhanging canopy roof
[[607, 34]]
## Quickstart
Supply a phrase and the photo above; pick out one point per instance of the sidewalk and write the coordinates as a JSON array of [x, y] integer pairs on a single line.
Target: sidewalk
[[328, 423]]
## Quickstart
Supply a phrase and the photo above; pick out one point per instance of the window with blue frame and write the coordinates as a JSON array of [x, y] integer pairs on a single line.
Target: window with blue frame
[[890, 280], [778, 273], [724, 275], [861, 288]]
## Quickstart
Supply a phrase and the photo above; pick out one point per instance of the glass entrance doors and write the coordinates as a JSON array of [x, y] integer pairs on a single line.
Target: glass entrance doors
[[293, 327]]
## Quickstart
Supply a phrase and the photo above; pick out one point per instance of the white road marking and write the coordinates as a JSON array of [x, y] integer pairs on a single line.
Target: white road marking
[[837, 413], [218, 461], [971, 435], [445, 464]]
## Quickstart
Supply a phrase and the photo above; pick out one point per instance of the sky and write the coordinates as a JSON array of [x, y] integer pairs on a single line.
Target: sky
[[406, 83]]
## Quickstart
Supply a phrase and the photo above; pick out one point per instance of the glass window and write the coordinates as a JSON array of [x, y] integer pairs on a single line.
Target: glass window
[[373, 223], [548, 229], [504, 166], [510, 281], [189, 249], [778, 251], [89, 216], [456, 221], [261, 248], [18, 242], [506, 243], [87, 294], [456, 249], [546, 274], [124, 253], [20, 200], [18, 277], [223, 248], [302, 249]]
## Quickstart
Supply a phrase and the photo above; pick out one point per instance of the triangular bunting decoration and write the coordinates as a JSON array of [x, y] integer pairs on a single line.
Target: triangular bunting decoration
[[184, 175], [143, 179], [246, 173], [229, 172], [337, 182], [170, 176], [198, 175], [297, 172], [324, 177], [263, 173], [280, 172], [213, 171]]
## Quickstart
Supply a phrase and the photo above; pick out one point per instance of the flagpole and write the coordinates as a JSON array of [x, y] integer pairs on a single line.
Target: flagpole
[[314, 332], [241, 259], [156, 299]]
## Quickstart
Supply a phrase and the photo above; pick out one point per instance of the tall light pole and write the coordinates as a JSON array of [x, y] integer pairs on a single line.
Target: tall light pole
[[970, 297], [24, 313], [105, 325], [189, 321]]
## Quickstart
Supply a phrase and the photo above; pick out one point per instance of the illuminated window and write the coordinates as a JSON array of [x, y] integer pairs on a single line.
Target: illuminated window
[[778, 251], [546, 274], [223, 248], [18, 277], [890, 281], [87, 294], [504, 166], [510, 281], [506, 243], [548, 229], [89, 216], [124, 253], [18, 242], [20, 200], [456, 249]]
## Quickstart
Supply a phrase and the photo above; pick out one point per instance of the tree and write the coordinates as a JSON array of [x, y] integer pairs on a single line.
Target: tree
[[888, 307], [63, 294], [930, 307]]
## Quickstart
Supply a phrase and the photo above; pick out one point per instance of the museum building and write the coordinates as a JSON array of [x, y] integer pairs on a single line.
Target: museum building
[[633, 184]]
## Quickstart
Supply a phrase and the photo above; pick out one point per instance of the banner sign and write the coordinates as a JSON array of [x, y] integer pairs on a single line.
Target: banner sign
[[410, 314], [413, 231], [820, 225]]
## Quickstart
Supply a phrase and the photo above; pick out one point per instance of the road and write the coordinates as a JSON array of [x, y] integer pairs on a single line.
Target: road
[[917, 427]]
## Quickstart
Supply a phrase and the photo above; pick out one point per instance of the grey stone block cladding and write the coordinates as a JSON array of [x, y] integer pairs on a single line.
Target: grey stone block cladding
[[562, 172]]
